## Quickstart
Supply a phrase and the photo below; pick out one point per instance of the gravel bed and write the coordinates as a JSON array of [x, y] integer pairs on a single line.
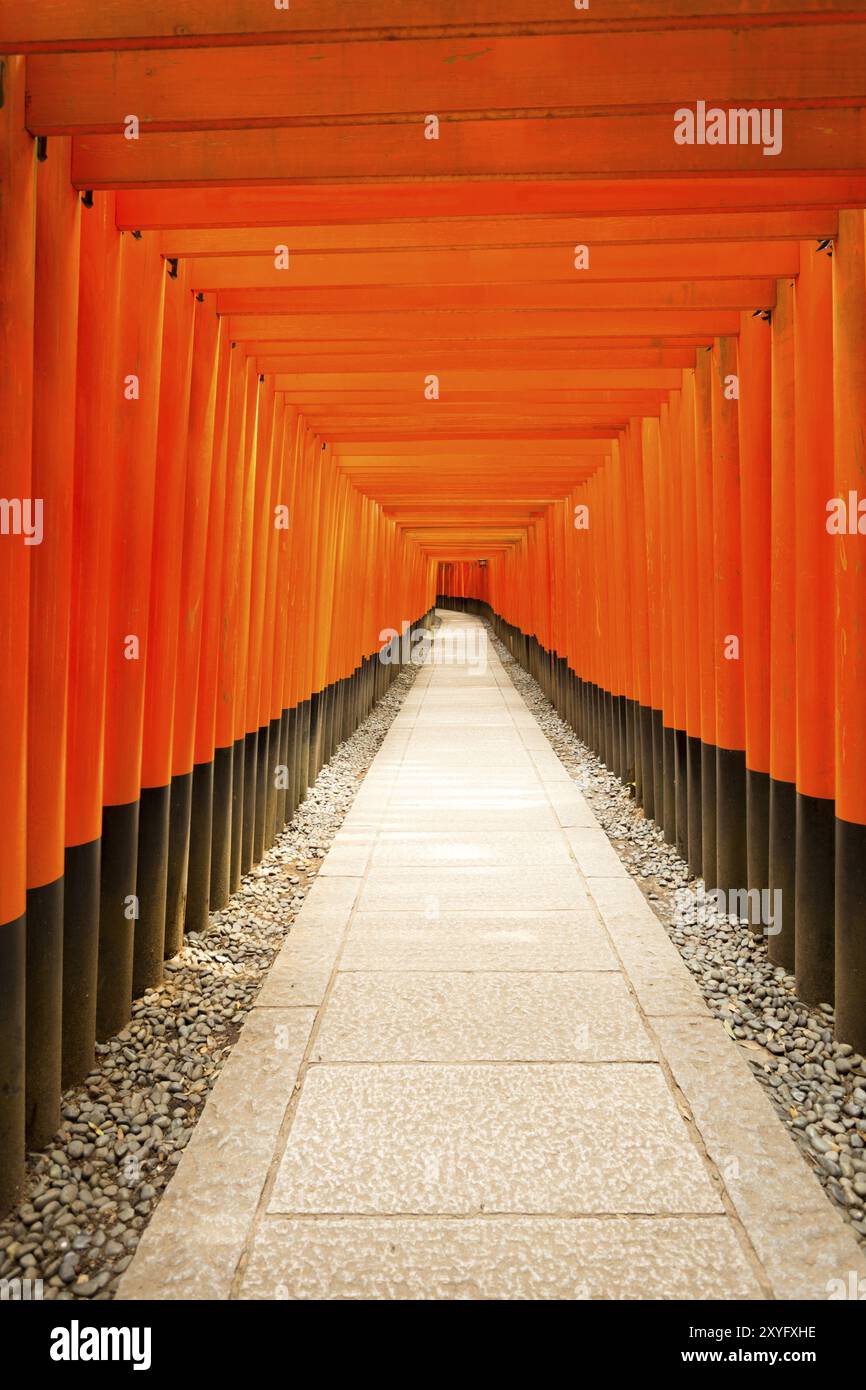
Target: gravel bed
[[91, 1194], [817, 1085]]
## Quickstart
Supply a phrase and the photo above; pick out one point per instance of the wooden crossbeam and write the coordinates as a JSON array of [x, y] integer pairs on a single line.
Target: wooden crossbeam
[[407, 360], [687, 231], [441, 454], [277, 85], [819, 139], [79, 25], [264, 205], [478, 325], [585, 380], [287, 272], [578, 296]]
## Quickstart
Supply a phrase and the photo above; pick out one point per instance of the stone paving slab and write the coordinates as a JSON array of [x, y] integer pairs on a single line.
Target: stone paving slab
[[548, 766], [429, 758], [570, 807], [655, 968], [594, 853], [444, 717], [481, 1017], [549, 941], [526, 888], [498, 1258], [509, 1138], [479, 1068], [429, 849], [532, 814], [408, 781]]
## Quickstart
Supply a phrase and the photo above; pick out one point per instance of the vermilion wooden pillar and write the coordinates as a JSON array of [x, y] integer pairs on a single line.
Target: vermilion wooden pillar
[[783, 639], [650, 452], [691, 620], [269, 729], [134, 381], [815, 623], [306, 628], [228, 756], [755, 501], [155, 817], [213, 466], [258, 561], [625, 600], [731, 868], [243, 773], [283, 755], [669, 581], [607, 590], [93, 524], [299, 691], [640, 631], [262, 632], [680, 656], [56, 349], [17, 269], [849, 402], [217, 767], [705, 599], [199, 443]]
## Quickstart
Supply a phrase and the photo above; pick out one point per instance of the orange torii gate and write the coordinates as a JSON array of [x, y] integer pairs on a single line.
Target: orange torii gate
[[309, 317]]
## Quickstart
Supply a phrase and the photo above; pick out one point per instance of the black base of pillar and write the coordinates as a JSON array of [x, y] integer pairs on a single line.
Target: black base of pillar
[[681, 785], [221, 828], [200, 832], [238, 782], [44, 967], [304, 750], [117, 914], [152, 888], [783, 838], [329, 740], [708, 815], [614, 741], [12, 1051], [695, 855], [292, 793], [611, 752], [647, 761], [251, 756], [284, 764], [274, 776], [263, 762], [669, 755], [629, 753], [314, 715], [758, 834], [814, 883], [658, 767], [850, 901], [731, 859], [178, 862], [81, 873]]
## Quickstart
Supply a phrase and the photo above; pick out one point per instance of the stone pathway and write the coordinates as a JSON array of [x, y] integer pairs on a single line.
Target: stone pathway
[[479, 1068]]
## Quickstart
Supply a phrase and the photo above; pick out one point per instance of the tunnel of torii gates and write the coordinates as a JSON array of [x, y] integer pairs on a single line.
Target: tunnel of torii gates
[[314, 316]]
